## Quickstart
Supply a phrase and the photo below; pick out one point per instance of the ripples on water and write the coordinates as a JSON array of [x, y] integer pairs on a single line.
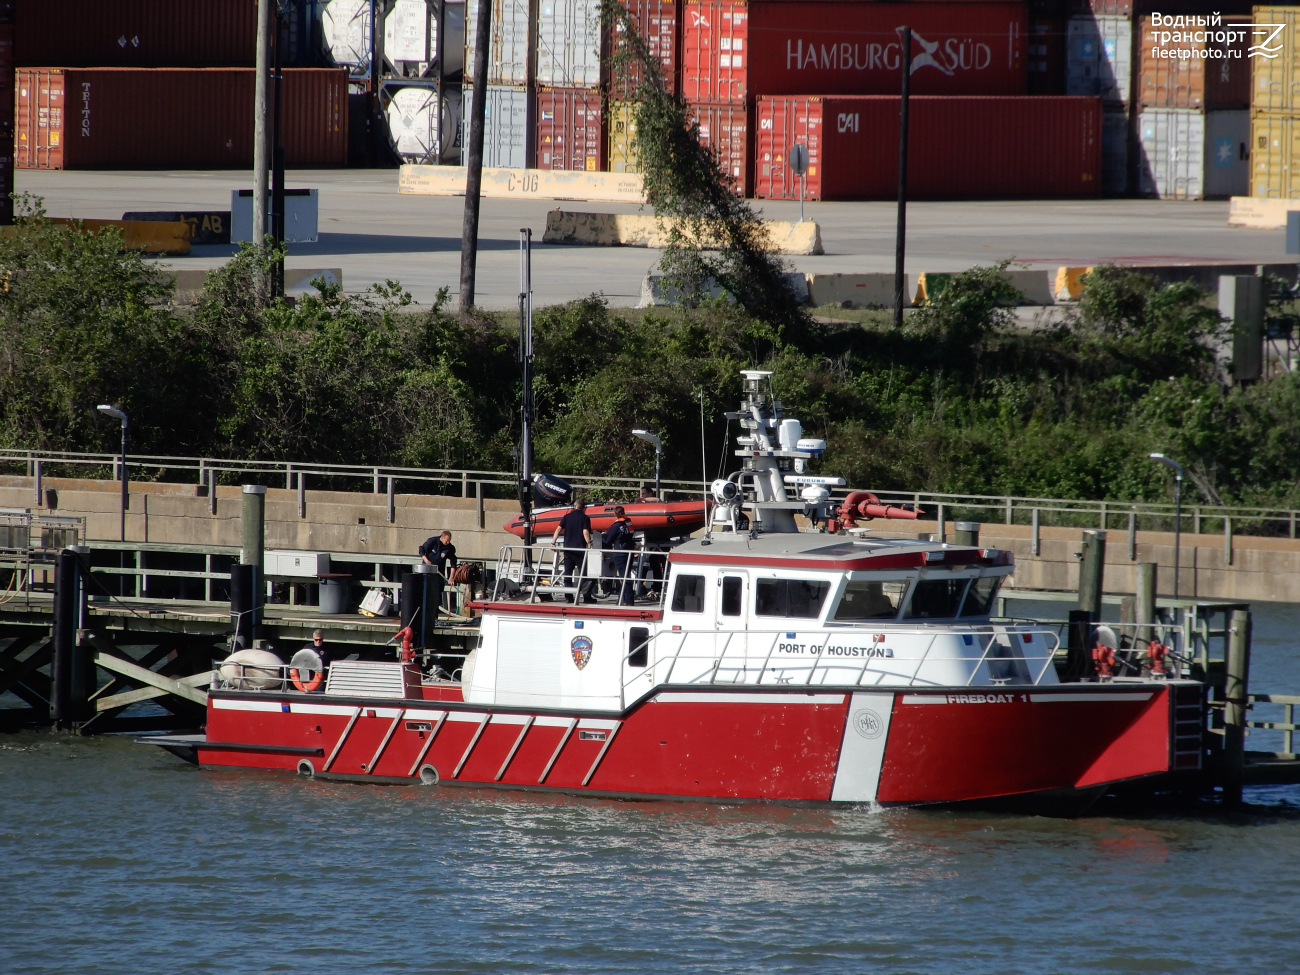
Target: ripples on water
[[118, 858]]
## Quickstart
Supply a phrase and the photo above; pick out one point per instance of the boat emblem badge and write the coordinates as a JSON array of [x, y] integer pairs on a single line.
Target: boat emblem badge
[[868, 724], [580, 647]]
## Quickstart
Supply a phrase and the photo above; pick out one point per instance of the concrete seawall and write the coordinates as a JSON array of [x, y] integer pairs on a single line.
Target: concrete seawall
[[1253, 569]]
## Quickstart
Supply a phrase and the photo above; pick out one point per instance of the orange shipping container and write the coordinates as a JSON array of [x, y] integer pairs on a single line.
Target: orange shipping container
[[172, 118], [137, 33], [1210, 79]]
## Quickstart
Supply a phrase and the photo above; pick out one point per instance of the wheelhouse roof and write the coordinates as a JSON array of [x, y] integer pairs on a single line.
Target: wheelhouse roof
[[836, 553]]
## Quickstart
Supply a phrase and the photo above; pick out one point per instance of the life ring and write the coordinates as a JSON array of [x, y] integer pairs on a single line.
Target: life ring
[[306, 685]]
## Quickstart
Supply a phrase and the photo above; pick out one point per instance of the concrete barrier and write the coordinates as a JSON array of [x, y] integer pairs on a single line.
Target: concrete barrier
[[297, 282], [147, 236], [1257, 213], [655, 292], [646, 230], [524, 184], [1035, 287], [1069, 282], [853, 290]]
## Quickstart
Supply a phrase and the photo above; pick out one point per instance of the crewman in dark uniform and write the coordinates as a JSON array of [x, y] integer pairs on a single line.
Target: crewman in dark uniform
[[439, 553], [576, 527], [618, 537]]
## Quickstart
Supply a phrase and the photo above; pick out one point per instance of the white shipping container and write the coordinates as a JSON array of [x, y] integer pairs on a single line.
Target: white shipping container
[[511, 41], [1227, 154], [345, 31], [568, 43], [423, 124], [507, 125], [411, 32], [1099, 58], [1191, 155], [1114, 153]]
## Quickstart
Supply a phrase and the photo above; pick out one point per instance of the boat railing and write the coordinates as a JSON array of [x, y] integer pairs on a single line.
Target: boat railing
[[530, 573], [1133, 640], [231, 676], [998, 654]]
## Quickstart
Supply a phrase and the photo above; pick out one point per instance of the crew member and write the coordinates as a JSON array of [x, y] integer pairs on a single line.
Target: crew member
[[648, 493], [439, 553], [618, 537], [576, 528]]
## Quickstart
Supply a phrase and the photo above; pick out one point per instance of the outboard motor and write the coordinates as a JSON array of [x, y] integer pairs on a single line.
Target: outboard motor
[[550, 491]]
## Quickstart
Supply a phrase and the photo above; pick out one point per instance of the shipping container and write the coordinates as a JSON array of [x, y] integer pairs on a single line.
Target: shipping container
[[1102, 8], [958, 147], [1191, 155], [172, 118], [1276, 86], [732, 51], [1114, 151], [725, 130], [657, 22], [423, 123], [620, 138], [509, 61], [1045, 56], [1210, 79], [507, 125], [568, 43], [136, 33], [8, 96], [570, 129], [1099, 58], [1274, 157], [345, 31]]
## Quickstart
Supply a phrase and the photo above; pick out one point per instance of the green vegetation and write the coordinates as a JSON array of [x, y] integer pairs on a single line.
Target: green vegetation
[[960, 399]]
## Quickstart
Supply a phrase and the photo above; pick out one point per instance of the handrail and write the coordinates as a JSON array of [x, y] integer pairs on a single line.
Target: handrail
[[716, 657], [1008, 506]]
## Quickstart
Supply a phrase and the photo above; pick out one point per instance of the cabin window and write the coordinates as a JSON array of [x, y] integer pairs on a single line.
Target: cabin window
[[732, 588], [979, 598], [864, 600], [638, 646], [798, 598], [688, 594], [936, 599]]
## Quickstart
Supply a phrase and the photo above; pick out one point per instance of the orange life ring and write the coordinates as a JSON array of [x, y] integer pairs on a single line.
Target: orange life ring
[[307, 685]]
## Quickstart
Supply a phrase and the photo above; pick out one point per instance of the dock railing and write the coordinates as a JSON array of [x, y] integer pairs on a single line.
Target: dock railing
[[532, 572], [1035, 512]]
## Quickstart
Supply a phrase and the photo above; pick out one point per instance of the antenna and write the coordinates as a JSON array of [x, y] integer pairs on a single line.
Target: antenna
[[704, 463], [526, 376]]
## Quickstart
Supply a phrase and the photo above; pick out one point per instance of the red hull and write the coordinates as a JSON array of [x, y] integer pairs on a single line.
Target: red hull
[[660, 520], [747, 744]]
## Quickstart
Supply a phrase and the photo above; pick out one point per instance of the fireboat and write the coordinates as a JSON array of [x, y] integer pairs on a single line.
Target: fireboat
[[789, 657]]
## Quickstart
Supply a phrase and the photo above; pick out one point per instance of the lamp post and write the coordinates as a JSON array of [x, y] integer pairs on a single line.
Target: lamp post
[[649, 437], [117, 414], [1177, 468]]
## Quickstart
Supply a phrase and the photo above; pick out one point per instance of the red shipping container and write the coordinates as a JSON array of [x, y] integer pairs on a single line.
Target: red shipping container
[[172, 118], [136, 33], [959, 148], [725, 129], [732, 50], [657, 22], [570, 129]]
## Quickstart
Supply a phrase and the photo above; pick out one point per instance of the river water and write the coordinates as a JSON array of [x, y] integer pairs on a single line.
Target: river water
[[116, 857]]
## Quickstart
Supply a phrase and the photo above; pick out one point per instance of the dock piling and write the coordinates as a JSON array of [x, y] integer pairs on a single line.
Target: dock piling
[[966, 532], [1234, 707], [1145, 611], [73, 667], [1092, 566]]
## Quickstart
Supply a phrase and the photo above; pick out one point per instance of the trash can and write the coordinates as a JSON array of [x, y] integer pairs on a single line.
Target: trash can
[[335, 593]]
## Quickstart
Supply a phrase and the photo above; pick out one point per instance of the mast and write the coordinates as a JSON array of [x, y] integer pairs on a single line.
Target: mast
[[526, 375]]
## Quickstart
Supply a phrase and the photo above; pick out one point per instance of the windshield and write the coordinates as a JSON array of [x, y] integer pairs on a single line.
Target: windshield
[[936, 599], [979, 599], [870, 600]]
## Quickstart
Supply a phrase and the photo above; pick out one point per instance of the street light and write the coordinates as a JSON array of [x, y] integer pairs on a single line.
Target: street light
[[117, 414], [1177, 468], [649, 437]]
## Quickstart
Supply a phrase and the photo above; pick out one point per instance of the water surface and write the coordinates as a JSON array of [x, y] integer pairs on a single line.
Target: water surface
[[119, 858]]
